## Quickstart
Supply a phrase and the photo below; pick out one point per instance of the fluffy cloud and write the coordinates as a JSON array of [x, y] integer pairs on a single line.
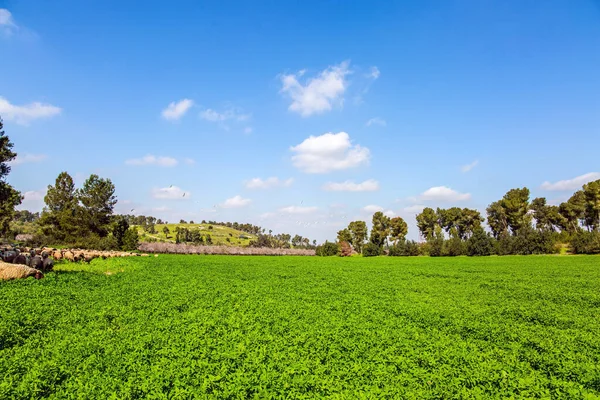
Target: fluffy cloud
[[153, 160], [468, 167], [174, 111], [33, 200], [236, 202], [235, 114], [370, 185], [24, 114], [443, 193], [258, 183], [28, 158], [171, 193], [571, 184], [372, 208], [298, 210], [328, 152], [317, 94], [376, 121]]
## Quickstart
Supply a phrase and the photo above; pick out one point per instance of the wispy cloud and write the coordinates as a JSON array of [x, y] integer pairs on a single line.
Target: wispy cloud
[[468, 167], [28, 158], [272, 182], [417, 208], [176, 110], [571, 184], [318, 94], [298, 210], [153, 160], [376, 121], [444, 194], [373, 73], [349, 186], [329, 152], [7, 22], [232, 113], [24, 114]]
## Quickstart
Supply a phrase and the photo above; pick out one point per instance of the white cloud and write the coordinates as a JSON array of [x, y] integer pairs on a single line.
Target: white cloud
[[235, 114], [372, 208], [374, 73], [189, 161], [28, 158], [7, 23], [328, 152], [23, 115], [468, 167], [389, 213], [417, 208], [376, 121], [370, 185], [443, 193], [33, 195], [171, 193], [317, 94], [571, 184], [174, 111], [258, 183], [236, 202], [298, 210], [153, 160], [33, 200]]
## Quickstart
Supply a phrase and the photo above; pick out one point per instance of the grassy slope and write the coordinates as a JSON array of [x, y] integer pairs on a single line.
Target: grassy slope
[[305, 327], [219, 234]]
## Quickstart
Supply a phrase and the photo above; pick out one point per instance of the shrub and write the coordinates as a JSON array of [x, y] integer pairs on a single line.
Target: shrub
[[130, 240], [453, 247], [345, 249], [480, 244], [397, 250], [327, 249], [371, 250], [585, 243]]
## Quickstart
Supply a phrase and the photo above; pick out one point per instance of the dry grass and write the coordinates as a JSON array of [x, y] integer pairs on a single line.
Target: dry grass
[[172, 248]]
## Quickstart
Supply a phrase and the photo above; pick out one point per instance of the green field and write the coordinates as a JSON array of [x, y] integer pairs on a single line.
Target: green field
[[219, 234], [182, 327]]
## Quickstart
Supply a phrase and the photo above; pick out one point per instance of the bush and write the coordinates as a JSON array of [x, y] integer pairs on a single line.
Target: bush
[[453, 247], [327, 249], [585, 243], [371, 250], [397, 250], [404, 249], [436, 246], [345, 249], [480, 244]]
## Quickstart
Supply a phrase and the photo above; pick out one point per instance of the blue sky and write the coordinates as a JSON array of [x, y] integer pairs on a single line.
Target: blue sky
[[349, 107]]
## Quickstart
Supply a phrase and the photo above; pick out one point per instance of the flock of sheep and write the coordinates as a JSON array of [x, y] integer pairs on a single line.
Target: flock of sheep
[[18, 263]]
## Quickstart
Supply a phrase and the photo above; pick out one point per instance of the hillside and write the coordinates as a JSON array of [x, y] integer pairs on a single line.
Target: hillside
[[219, 234]]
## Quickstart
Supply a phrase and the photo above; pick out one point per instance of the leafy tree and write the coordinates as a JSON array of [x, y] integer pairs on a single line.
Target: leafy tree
[[358, 229], [381, 229], [9, 197], [497, 219], [591, 193], [480, 243], [60, 218], [572, 212], [436, 242], [98, 199], [547, 218], [516, 206], [398, 229], [327, 249], [371, 250], [449, 220], [470, 220], [166, 231], [119, 229], [130, 240], [427, 220], [344, 236]]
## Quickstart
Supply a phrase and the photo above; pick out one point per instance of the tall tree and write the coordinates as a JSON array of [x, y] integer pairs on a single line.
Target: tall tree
[[359, 231], [9, 197], [573, 212], [381, 229], [516, 205], [449, 220], [591, 192], [398, 229], [98, 199], [547, 217], [497, 219], [344, 235], [60, 218], [427, 220], [470, 221]]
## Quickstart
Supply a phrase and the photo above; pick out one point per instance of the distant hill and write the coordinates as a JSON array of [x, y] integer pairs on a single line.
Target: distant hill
[[219, 234]]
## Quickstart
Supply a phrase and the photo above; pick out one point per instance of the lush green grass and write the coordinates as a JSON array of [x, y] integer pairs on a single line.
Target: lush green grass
[[219, 234], [305, 327]]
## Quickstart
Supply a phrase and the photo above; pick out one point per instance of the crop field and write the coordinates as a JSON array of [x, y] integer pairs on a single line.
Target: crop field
[[184, 326]]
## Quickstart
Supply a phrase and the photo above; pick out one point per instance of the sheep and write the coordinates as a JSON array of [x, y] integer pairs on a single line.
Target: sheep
[[35, 261], [10, 271], [47, 262], [21, 258], [69, 256], [9, 256], [57, 255]]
